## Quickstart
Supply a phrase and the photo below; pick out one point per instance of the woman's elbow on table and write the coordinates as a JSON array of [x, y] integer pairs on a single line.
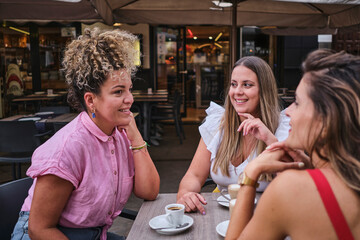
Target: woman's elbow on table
[[148, 191], [149, 195]]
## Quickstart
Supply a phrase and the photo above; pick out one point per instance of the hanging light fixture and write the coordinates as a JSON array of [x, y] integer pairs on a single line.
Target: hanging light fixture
[[218, 36], [222, 4], [15, 29], [19, 30], [216, 8], [218, 45]]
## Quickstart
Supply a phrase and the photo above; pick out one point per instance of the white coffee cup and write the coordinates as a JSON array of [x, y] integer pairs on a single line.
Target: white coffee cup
[[175, 213], [149, 90], [232, 205], [50, 92], [233, 190]]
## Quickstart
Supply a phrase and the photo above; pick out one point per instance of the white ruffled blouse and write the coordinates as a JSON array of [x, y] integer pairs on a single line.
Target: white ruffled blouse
[[211, 136]]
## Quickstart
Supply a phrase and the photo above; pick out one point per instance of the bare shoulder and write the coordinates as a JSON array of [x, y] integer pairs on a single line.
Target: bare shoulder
[[290, 191], [290, 200], [291, 182], [283, 205], [293, 201]]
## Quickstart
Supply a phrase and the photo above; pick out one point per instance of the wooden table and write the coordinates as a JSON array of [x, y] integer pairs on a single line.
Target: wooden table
[[63, 118], [36, 99], [47, 124], [145, 99], [204, 226], [12, 118]]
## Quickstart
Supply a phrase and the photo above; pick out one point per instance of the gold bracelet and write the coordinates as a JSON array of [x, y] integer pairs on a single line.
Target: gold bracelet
[[248, 181], [139, 147]]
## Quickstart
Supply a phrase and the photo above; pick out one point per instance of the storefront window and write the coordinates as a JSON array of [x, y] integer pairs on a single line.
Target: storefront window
[[52, 42], [255, 43], [15, 50], [167, 57], [14, 59], [207, 53]]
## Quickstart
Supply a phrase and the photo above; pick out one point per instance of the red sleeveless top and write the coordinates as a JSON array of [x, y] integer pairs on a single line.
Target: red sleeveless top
[[336, 216]]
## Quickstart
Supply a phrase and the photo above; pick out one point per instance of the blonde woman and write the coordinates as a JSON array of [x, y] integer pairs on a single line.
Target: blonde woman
[[85, 173], [232, 136], [318, 203]]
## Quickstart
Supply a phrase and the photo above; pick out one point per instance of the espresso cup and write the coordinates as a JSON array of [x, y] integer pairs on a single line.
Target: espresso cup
[[233, 190], [175, 213], [232, 205]]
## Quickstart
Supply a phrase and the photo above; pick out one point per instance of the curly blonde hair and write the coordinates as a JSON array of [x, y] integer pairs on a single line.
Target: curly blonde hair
[[89, 59]]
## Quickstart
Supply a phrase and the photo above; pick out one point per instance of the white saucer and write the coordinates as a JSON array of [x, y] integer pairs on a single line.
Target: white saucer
[[222, 227], [160, 221], [43, 113], [224, 202], [29, 119]]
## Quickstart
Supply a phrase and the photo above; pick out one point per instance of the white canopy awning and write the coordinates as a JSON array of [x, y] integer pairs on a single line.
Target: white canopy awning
[[280, 13]]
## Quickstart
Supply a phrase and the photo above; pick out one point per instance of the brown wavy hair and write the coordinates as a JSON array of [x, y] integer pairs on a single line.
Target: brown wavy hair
[[334, 80], [89, 59], [232, 141]]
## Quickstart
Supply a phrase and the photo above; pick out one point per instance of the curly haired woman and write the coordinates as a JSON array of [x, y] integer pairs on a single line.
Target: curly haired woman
[[85, 173]]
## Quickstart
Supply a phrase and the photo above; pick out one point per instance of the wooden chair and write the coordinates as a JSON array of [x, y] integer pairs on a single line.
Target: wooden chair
[[18, 140], [12, 196]]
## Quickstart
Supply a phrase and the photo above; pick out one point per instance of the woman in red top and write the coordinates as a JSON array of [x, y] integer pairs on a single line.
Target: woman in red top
[[324, 202]]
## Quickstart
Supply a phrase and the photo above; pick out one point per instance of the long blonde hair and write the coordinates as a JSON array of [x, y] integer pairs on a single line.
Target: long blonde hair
[[232, 141]]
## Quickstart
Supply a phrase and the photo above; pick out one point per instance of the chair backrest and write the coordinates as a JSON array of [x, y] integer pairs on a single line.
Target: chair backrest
[[55, 109], [18, 136], [12, 196]]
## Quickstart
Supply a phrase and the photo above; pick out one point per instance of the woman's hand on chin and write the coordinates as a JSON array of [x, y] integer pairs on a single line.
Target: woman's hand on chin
[[255, 127], [132, 132]]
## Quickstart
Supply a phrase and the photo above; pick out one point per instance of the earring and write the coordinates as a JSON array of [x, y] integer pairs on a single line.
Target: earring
[[93, 113]]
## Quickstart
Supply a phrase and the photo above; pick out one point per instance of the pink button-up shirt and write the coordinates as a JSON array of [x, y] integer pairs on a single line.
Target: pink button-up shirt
[[100, 167]]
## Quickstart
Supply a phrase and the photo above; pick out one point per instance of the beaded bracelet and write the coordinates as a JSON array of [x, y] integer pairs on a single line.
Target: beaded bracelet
[[139, 147]]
